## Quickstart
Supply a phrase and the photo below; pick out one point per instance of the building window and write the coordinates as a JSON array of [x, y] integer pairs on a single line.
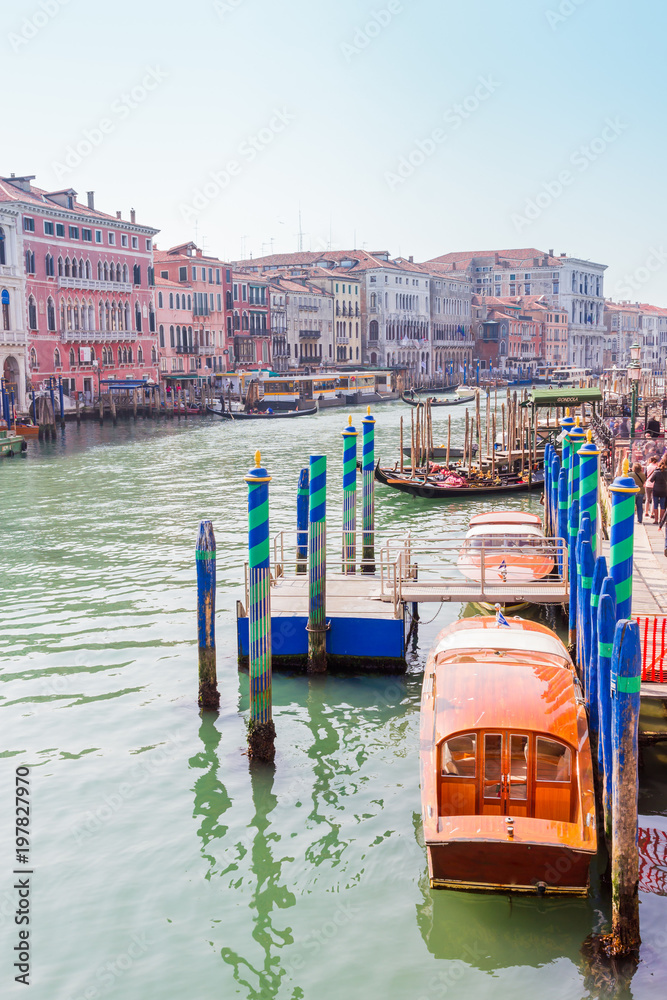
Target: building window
[[74, 232], [48, 228], [137, 317], [60, 229], [149, 244], [48, 264], [161, 333], [29, 262], [123, 239], [72, 357], [87, 235], [50, 314], [112, 239], [5, 309], [28, 224], [98, 235], [137, 274], [56, 358], [182, 274]]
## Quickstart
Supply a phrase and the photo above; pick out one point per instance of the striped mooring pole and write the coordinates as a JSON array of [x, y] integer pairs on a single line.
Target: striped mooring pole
[[317, 566], [547, 489], [562, 529], [606, 628], [349, 498], [589, 456], [573, 523], [621, 538], [626, 683], [302, 522], [261, 730], [593, 692], [586, 571], [209, 697], [567, 423], [368, 494], [555, 473]]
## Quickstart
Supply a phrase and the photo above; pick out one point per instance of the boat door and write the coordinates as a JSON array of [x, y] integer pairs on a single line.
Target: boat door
[[505, 770]]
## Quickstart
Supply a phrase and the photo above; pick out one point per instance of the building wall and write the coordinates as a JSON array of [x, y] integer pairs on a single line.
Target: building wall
[[13, 333], [251, 320]]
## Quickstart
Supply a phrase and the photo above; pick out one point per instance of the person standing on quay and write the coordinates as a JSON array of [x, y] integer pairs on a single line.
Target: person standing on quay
[[639, 477], [651, 466], [658, 480]]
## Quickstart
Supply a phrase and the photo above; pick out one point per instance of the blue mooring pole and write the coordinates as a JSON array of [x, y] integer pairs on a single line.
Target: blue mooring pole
[[606, 628], [626, 684], [205, 562], [547, 489], [593, 694], [573, 524], [302, 504], [587, 564], [621, 538], [562, 529]]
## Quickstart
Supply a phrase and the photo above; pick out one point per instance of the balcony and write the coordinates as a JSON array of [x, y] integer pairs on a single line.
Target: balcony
[[94, 286], [13, 337], [9, 271], [207, 348], [95, 336], [187, 348], [310, 334]]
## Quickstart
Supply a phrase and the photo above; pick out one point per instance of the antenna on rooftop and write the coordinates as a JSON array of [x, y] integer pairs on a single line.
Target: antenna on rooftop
[[300, 244]]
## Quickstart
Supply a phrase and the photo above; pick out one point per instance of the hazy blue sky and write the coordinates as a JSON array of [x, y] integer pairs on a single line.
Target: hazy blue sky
[[319, 102]]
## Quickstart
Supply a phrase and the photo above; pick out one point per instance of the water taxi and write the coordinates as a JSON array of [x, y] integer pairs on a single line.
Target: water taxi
[[508, 802]]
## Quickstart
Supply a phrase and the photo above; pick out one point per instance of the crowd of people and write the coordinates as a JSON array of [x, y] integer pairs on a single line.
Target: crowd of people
[[651, 500]]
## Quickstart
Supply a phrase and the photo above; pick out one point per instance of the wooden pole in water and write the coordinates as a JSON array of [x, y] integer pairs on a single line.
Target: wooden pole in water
[[412, 443], [493, 448], [134, 402], [317, 567], [368, 493], [502, 409], [261, 730], [449, 436], [209, 697], [626, 683], [350, 498], [478, 424], [78, 410], [302, 504], [465, 443], [112, 406], [401, 446], [488, 421]]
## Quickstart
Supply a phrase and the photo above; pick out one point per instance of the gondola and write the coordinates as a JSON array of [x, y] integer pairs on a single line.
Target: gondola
[[431, 489], [279, 414], [426, 391], [438, 402]]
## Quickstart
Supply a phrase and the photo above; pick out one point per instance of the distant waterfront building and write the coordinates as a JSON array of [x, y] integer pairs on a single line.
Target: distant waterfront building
[[635, 322], [510, 333], [567, 282], [309, 314], [13, 334], [250, 321], [278, 329], [88, 287]]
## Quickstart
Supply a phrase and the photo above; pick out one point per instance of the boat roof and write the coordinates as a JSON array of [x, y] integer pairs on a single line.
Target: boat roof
[[563, 397], [503, 637], [506, 517], [485, 693], [531, 530]]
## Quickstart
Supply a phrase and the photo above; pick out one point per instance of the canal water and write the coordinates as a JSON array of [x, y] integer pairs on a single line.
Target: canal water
[[164, 865]]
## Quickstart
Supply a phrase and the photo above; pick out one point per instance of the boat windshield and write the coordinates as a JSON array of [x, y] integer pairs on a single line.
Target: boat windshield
[[507, 542]]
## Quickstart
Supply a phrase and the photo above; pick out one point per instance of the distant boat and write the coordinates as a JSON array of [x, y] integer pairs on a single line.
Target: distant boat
[[438, 402], [436, 488], [506, 767], [424, 390], [278, 415]]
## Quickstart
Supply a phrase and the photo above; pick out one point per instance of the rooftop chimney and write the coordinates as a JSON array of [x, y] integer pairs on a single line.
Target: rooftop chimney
[[91, 199], [133, 215], [411, 259], [118, 215], [551, 253]]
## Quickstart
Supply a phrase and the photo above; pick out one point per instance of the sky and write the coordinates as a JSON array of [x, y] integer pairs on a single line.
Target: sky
[[419, 127]]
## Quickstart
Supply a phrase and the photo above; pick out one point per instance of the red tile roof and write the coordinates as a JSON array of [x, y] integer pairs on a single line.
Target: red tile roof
[[40, 199]]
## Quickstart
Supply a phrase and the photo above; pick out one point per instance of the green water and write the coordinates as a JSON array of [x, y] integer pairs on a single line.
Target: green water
[[166, 867]]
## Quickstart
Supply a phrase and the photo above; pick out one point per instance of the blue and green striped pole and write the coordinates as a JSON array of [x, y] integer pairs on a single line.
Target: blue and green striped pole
[[567, 423], [573, 524], [621, 538], [368, 493], [562, 529], [606, 628], [587, 569], [302, 522], [261, 730], [317, 566], [349, 498], [626, 684], [589, 456], [209, 697], [555, 473], [593, 694], [547, 489]]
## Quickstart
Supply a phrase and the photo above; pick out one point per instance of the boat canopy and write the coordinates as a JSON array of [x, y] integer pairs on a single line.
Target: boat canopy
[[512, 530], [562, 397], [505, 517], [483, 693], [501, 637]]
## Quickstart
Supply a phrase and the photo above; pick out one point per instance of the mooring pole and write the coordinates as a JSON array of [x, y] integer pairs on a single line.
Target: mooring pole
[[301, 522], [567, 423], [61, 401], [573, 523], [593, 694], [555, 475], [205, 561], [368, 493], [547, 490], [621, 539], [587, 566], [626, 684], [588, 485], [261, 730], [349, 498], [562, 530], [53, 400], [317, 566], [606, 629]]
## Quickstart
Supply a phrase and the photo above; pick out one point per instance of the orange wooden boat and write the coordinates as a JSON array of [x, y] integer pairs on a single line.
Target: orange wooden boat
[[27, 430], [514, 548], [506, 771]]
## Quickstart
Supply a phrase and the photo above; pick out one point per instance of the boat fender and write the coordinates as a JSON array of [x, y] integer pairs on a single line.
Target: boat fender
[[541, 888], [24, 445]]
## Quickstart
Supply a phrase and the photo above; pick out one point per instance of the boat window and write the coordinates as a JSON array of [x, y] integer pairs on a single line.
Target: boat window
[[553, 761], [492, 764], [458, 756], [518, 767]]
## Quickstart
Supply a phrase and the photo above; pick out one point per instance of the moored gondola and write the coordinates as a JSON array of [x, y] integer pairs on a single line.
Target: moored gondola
[[278, 415], [437, 402], [430, 488]]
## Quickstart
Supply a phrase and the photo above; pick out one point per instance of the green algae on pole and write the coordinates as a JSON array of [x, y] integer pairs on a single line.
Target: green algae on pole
[[261, 730], [317, 566], [349, 498], [368, 493], [205, 560]]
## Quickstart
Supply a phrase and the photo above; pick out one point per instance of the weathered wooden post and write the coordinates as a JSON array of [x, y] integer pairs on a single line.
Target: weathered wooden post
[[562, 529], [317, 566], [368, 493], [112, 407], [302, 522], [61, 402], [626, 683], [606, 628], [205, 561], [53, 400], [134, 402], [78, 410], [261, 730], [349, 498], [589, 455], [621, 538]]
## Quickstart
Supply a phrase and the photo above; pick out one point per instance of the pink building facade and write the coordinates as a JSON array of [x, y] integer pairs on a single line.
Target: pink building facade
[[250, 321], [88, 288]]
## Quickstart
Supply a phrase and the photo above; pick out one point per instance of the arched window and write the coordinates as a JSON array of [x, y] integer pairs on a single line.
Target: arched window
[[68, 268], [106, 271], [56, 358], [50, 314], [89, 269], [32, 313], [118, 272], [151, 319], [178, 301], [126, 274], [33, 359], [91, 316], [171, 300], [77, 325], [127, 315], [161, 333], [153, 355], [140, 355], [129, 355], [159, 300], [3, 257], [72, 357], [100, 273], [48, 265], [5, 309], [373, 330], [178, 336], [137, 317], [75, 268], [172, 342], [189, 302], [107, 316]]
